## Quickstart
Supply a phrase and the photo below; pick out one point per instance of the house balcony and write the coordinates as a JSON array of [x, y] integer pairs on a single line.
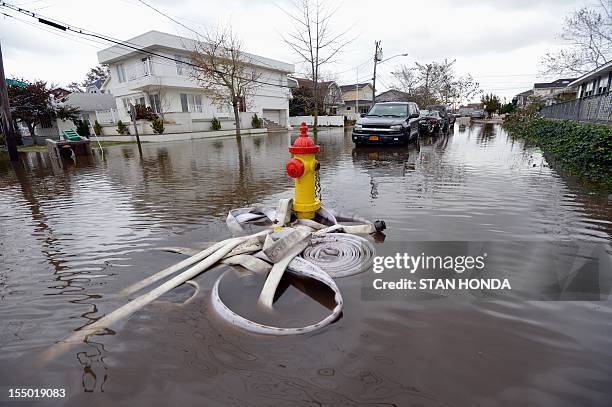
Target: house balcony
[[144, 78]]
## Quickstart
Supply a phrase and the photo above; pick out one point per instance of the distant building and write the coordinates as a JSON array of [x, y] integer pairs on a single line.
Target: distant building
[[329, 95], [549, 92], [357, 98], [96, 87], [393, 95], [522, 99]]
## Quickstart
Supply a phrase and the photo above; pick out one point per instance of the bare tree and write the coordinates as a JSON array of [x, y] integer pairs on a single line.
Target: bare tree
[[220, 66], [434, 83], [314, 39], [588, 35]]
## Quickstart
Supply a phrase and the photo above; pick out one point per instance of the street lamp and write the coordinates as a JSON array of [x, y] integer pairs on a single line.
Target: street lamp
[[378, 58]]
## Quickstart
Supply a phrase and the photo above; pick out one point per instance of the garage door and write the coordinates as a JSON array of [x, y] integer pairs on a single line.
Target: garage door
[[272, 115]]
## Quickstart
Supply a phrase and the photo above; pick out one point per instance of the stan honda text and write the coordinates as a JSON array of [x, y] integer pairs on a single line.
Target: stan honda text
[[443, 284]]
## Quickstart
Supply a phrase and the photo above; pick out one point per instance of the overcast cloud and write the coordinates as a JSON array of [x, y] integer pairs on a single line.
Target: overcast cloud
[[498, 41]]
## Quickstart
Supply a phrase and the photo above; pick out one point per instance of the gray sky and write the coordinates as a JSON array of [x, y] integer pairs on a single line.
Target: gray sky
[[499, 42]]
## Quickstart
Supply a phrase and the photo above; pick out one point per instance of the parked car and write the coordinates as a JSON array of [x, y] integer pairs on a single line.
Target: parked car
[[388, 123], [444, 115], [478, 114], [430, 122]]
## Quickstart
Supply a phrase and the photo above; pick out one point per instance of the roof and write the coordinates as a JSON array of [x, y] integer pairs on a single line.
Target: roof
[[559, 83], [98, 83], [526, 93], [605, 68], [347, 88], [152, 40], [89, 102], [15, 82]]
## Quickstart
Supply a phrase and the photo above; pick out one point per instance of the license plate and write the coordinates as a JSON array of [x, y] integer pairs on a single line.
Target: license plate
[[373, 138]]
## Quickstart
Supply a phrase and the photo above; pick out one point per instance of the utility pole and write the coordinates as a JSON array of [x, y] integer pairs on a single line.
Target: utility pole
[[357, 92], [377, 57], [133, 114], [5, 111]]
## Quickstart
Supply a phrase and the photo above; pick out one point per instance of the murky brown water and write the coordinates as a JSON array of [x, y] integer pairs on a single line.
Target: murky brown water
[[71, 239]]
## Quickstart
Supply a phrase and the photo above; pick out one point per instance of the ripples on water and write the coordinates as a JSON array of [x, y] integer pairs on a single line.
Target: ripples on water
[[71, 239]]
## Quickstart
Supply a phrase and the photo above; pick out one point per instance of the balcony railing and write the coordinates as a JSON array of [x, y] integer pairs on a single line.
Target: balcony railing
[[594, 109]]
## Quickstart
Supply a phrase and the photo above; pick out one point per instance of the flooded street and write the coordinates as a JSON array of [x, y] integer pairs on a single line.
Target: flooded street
[[71, 239]]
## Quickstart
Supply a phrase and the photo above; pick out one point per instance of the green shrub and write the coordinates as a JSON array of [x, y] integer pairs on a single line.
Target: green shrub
[[97, 128], [158, 126], [582, 149], [215, 124], [256, 122], [122, 128], [82, 128]]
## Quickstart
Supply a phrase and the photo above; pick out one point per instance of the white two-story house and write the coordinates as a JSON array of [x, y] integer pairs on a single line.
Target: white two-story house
[[158, 75]]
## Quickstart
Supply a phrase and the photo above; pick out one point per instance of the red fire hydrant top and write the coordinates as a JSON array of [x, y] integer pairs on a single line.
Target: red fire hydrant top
[[304, 144]]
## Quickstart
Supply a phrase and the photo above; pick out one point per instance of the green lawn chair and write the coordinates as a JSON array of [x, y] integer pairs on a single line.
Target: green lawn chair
[[71, 135]]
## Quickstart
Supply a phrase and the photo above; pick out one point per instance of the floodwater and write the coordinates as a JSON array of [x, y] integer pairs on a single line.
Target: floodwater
[[72, 238]]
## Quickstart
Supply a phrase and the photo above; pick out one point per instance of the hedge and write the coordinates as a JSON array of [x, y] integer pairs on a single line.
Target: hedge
[[582, 149]]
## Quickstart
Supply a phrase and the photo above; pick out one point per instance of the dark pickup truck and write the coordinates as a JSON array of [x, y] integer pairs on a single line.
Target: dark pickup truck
[[388, 123]]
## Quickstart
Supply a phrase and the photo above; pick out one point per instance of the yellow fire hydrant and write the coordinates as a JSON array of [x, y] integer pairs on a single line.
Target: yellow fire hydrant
[[303, 168]]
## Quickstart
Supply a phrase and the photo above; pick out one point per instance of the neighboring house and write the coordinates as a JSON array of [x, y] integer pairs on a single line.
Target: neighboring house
[[393, 95], [522, 99], [167, 86], [87, 103], [329, 95], [548, 92], [596, 82], [357, 98], [96, 87]]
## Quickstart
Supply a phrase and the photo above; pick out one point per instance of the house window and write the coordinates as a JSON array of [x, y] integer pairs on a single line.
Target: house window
[[184, 104], [155, 103], [242, 104], [121, 73], [348, 108], [146, 66], [180, 65], [191, 102], [197, 103], [126, 104]]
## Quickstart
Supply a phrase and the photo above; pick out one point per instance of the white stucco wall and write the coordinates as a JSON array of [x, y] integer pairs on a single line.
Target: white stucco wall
[[165, 79]]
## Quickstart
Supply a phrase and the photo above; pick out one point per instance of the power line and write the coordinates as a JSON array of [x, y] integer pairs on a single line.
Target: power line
[[168, 17], [260, 61]]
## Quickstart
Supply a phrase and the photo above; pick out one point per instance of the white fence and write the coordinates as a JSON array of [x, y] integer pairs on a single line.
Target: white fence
[[338, 121], [110, 116]]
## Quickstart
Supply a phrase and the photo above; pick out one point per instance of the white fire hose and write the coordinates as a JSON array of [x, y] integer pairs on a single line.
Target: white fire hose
[[304, 248]]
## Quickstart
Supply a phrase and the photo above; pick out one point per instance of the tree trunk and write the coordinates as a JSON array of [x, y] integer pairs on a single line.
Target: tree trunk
[[237, 117], [315, 95]]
